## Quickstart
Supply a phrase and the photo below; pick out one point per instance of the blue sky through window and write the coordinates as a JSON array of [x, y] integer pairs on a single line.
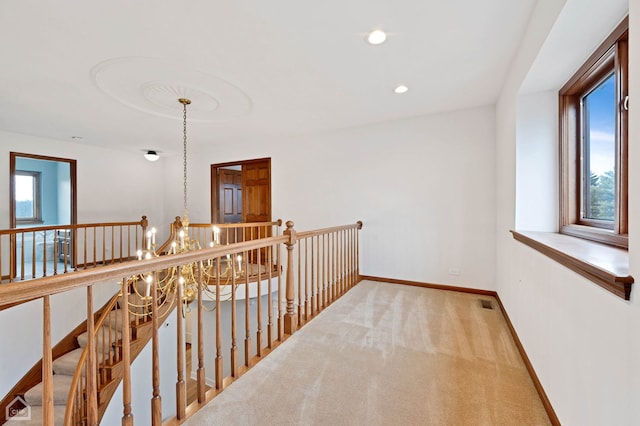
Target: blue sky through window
[[601, 107]]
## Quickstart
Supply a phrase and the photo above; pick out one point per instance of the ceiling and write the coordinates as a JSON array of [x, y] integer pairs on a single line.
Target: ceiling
[[108, 71]]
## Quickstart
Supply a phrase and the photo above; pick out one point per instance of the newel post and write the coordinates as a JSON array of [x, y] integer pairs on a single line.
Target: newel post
[[290, 324]]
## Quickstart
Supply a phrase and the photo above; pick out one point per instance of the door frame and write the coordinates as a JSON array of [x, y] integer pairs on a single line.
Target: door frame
[[215, 184], [12, 174]]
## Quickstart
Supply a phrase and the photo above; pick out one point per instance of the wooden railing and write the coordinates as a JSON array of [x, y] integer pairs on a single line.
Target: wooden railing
[[28, 253], [237, 320], [230, 233], [227, 233]]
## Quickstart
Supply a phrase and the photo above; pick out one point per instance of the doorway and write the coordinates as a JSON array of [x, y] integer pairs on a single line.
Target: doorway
[[241, 191], [42, 193]]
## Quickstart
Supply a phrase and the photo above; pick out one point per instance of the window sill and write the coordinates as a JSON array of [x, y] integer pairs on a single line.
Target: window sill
[[605, 265]]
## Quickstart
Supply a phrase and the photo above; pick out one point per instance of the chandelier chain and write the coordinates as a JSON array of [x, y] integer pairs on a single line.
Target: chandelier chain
[[184, 138]]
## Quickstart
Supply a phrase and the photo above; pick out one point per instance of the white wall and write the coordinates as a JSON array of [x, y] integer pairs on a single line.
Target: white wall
[[424, 188], [581, 339], [112, 185], [537, 162]]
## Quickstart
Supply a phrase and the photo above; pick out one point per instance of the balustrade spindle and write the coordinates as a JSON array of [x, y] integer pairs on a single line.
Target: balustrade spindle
[[334, 274], [219, 361], [247, 313], [280, 295], [259, 302], [92, 388], [156, 400], [201, 377], [47, 364], [325, 269], [127, 415], [104, 247], [95, 252], [270, 297], [181, 392], [339, 263], [320, 270], [314, 283], [300, 282], [290, 318], [33, 255], [234, 344]]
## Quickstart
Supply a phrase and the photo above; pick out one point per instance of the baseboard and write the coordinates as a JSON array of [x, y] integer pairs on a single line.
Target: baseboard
[[430, 285], [553, 418]]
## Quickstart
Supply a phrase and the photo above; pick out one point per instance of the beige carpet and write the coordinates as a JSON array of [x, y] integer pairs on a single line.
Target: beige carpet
[[388, 354]]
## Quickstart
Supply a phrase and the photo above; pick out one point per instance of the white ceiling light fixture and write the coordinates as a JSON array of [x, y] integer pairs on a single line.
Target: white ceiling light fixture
[[401, 89], [376, 37], [151, 155]]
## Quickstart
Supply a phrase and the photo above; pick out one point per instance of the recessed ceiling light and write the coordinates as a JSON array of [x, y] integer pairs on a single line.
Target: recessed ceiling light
[[401, 89], [376, 37]]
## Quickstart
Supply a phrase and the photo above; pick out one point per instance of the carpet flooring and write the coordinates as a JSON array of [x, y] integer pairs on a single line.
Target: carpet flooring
[[388, 354]]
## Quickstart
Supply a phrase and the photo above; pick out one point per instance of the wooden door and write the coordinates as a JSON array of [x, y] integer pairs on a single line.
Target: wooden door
[[256, 185], [230, 190]]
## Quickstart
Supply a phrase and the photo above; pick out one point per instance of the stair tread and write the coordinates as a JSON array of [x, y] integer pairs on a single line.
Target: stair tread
[[102, 337], [61, 386], [114, 320], [68, 362]]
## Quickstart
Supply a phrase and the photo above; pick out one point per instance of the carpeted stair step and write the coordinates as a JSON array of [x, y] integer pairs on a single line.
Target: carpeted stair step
[[105, 336], [61, 386], [35, 418], [114, 320], [68, 362]]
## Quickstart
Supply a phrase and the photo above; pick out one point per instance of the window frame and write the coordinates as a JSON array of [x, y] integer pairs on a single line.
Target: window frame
[[611, 56], [37, 198]]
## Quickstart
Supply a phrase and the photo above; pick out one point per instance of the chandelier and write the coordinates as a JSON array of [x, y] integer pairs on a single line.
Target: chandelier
[[222, 274]]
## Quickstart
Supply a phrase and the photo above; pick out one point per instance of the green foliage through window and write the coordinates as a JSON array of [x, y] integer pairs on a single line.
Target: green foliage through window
[[602, 204]]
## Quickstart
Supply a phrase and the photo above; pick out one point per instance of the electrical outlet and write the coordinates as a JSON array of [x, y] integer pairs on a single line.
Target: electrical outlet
[[454, 271]]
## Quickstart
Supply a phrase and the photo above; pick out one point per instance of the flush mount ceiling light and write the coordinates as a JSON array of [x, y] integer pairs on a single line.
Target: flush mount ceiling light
[[401, 89], [151, 155], [376, 37]]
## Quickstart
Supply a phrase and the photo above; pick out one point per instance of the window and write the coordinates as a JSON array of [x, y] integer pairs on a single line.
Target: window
[[27, 193], [593, 145]]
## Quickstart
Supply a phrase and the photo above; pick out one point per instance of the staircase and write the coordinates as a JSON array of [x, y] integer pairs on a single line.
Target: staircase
[[64, 369], [69, 381]]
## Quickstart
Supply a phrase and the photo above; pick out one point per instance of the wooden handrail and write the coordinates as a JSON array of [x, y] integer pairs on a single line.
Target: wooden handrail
[[71, 226], [317, 232], [175, 225], [239, 225]]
